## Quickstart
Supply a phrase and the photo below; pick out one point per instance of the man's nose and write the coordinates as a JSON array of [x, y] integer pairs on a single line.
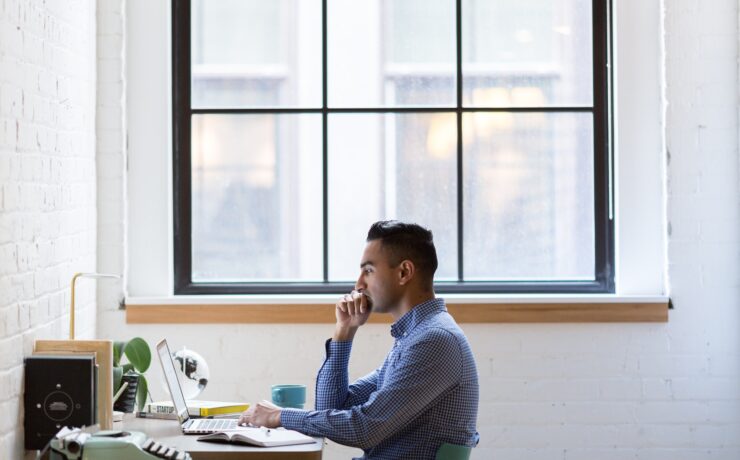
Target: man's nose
[[360, 284]]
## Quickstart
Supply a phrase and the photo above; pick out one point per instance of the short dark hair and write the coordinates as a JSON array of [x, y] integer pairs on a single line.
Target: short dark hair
[[404, 241]]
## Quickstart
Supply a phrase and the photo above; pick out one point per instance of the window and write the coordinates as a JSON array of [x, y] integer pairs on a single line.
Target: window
[[298, 123]]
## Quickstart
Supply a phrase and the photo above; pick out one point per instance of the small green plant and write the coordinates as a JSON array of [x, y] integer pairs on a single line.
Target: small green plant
[[138, 357]]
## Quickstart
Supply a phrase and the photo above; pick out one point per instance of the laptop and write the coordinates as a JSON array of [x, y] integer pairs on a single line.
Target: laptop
[[189, 425]]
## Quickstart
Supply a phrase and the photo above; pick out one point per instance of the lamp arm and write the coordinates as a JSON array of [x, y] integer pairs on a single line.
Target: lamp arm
[[72, 300], [72, 307]]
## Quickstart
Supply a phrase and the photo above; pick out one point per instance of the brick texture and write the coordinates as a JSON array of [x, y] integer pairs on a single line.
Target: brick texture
[[111, 149], [47, 185]]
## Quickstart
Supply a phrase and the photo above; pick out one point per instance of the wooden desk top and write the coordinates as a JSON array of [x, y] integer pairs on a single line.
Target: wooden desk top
[[168, 432]]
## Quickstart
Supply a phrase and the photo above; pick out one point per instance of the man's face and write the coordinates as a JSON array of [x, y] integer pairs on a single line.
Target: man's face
[[378, 280]]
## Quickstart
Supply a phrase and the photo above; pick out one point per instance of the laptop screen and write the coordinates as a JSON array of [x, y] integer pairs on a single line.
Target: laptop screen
[[170, 376]]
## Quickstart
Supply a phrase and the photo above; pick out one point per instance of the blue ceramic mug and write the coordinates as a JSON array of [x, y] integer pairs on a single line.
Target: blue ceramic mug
[[292, 396]]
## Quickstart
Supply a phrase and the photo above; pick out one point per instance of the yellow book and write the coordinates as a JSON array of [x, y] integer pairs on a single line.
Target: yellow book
[[233, 408]]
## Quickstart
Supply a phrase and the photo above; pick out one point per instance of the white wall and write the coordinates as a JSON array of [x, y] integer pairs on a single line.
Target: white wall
[[111, 148], [565, 391], [47, 186]]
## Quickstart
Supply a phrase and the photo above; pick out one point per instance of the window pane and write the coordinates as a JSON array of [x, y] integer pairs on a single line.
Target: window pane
[[372, 44], [256, 198], [528, 196], [245, 53], [527, 53], [391, 166]]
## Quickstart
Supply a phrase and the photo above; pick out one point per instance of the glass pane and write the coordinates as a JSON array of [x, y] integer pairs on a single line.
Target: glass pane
[[256, 53], [256, 198], [527, 53], [391, 166], [528, 196], [376, 47]]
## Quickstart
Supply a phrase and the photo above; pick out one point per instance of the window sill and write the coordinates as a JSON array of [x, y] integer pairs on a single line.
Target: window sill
[[464, 308]]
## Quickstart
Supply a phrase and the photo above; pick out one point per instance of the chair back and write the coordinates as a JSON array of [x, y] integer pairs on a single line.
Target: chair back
[[453, 452]]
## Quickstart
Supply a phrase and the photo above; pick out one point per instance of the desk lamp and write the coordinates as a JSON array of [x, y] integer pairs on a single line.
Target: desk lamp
[[103, 350], [72, 300]]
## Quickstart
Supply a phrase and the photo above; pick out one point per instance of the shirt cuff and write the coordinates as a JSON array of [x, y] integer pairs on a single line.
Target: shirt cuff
[[338, 351], [292, 419]]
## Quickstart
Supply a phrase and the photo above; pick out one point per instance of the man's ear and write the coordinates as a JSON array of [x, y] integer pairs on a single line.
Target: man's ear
[[406, 272]]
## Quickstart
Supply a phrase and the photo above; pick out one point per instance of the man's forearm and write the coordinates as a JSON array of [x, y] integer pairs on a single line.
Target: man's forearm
[[344, 333]]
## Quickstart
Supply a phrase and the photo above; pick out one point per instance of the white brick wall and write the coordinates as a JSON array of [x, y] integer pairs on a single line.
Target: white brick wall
[[47, 185], [111, 148]]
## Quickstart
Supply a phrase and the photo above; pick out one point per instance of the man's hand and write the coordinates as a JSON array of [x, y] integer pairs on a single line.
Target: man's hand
[[352, 311], [263, 413]]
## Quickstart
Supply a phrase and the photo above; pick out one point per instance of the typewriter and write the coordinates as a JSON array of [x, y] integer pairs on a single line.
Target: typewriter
[[76, 444]]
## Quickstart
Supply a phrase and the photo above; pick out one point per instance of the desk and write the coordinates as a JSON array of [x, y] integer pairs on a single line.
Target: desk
[[168, 432]]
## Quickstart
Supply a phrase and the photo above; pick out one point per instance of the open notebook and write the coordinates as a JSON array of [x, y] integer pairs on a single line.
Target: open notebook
[[262, 437]]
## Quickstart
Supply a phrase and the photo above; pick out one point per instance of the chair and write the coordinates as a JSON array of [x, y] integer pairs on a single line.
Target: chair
[[453, 452]]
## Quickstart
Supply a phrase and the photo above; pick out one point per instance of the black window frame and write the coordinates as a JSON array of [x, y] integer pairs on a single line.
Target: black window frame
[[603, 171]]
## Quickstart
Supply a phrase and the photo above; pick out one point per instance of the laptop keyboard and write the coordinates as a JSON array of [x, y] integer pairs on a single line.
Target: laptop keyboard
[[218, 424]]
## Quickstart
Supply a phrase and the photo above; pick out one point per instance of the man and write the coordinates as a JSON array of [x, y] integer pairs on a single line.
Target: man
[[425, 393]]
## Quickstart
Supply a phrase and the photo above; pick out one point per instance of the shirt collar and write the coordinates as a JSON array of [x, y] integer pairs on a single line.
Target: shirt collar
[[416, 315]]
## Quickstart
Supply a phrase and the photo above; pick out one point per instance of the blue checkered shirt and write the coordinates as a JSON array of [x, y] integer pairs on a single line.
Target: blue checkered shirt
[[425, 393]]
